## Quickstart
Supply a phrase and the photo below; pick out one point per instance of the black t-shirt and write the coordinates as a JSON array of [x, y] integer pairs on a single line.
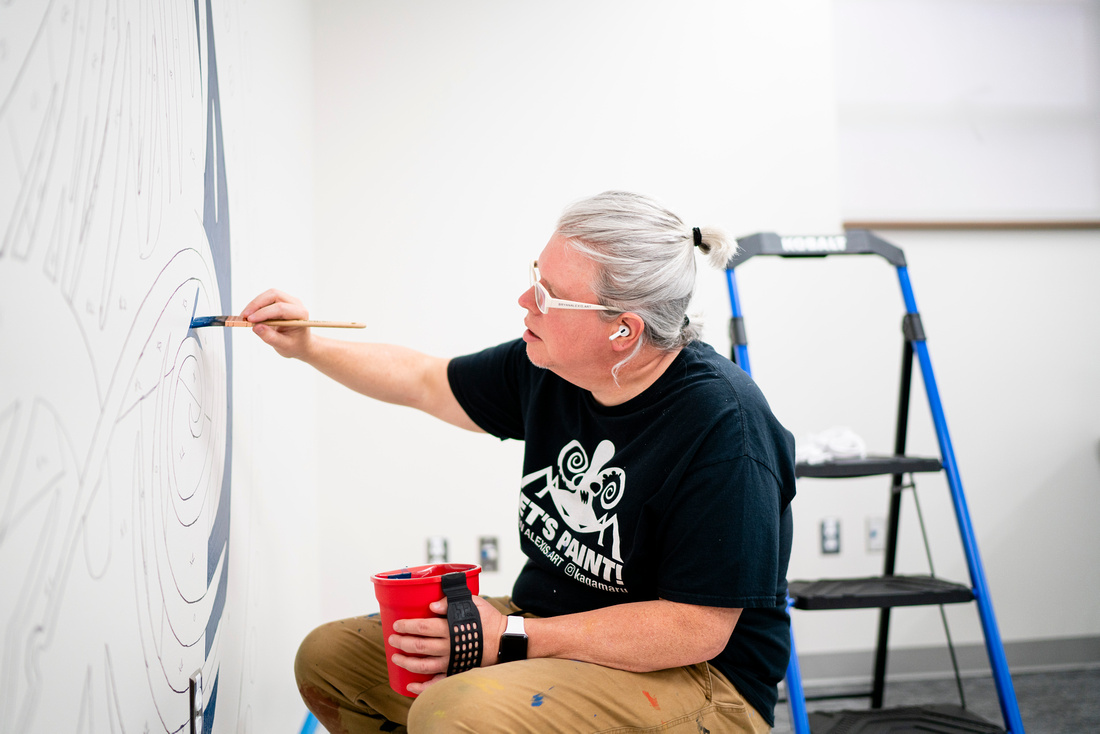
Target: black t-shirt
[[681, 493]]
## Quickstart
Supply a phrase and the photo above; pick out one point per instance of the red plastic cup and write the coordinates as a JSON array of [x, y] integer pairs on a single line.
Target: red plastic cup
[[406, 594]]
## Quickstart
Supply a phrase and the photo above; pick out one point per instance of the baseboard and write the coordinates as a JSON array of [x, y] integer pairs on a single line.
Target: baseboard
[[852, 668]]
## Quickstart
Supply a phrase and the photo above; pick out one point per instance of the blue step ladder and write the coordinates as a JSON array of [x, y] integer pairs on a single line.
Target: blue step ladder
[[889, 590]]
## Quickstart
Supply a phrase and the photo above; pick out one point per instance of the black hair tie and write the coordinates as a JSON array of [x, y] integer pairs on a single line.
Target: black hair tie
[[698, 236]]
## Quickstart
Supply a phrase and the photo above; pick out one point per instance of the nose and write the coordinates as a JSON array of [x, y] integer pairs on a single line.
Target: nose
[[527, 300]]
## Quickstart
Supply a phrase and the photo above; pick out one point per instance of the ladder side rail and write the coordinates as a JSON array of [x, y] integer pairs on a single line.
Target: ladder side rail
[[796, 696], [739, 347], [994, 646], [889, 562]]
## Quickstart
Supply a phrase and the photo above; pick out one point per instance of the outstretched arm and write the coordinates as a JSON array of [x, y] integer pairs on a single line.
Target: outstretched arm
[[384, 372]]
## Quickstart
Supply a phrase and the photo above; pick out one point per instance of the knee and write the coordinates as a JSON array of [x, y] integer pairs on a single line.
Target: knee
[[454, 704]]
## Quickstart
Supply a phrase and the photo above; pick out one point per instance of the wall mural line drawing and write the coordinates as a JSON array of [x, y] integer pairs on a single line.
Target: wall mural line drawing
[[115, 416]]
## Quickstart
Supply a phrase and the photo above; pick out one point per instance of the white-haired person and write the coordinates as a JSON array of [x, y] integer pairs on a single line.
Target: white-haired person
[[654, 504]]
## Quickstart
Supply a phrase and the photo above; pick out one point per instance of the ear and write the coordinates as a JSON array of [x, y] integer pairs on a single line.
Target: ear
[[633, 322]]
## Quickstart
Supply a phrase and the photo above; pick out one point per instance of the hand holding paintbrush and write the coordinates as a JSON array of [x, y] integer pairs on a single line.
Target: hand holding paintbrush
[[273, 298], [279, 319], [200, 321]]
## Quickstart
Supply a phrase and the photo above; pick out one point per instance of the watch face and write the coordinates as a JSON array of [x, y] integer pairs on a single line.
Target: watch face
[[512, 647]]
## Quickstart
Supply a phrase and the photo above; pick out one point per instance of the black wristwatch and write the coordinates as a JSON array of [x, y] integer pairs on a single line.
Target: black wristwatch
[[513, 643]]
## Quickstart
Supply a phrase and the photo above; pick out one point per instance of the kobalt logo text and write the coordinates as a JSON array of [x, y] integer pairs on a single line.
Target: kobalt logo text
[[827, 243]]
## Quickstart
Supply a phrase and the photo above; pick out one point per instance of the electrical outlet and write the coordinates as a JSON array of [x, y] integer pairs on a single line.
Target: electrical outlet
[[830, 535], [437, 549], [488, 552], [876, 534]]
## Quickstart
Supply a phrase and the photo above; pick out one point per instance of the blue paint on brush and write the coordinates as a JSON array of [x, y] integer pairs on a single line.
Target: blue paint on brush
[[201, 321]]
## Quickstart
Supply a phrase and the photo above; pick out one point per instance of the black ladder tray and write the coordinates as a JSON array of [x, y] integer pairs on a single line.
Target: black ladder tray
[[867, 467], [945, 719], [877, 591]]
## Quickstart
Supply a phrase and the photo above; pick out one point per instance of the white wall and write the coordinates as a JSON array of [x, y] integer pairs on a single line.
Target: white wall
[[449, 137], [970, 110], [270, 120]]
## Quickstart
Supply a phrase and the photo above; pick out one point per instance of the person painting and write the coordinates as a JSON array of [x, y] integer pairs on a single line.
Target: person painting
[[654, 504]]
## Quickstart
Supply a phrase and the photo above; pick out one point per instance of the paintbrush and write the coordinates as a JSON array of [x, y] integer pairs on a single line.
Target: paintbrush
[[198, 322]]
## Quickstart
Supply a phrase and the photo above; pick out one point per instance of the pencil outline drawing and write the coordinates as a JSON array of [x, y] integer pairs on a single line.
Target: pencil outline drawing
[[115, 416]]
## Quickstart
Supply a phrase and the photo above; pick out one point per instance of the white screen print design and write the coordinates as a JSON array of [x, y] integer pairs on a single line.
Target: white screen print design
[[582, 492], [115, 417]]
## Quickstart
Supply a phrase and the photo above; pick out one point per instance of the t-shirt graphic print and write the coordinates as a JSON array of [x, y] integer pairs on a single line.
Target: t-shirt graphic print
[[566, 510]]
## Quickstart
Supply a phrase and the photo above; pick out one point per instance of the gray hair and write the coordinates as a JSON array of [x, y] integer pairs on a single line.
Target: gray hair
[[645, 258]]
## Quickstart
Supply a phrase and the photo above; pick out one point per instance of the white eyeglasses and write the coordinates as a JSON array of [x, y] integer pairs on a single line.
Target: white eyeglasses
[[545, 301]]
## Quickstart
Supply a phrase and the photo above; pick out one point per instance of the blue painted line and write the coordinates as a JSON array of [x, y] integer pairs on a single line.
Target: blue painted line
[[195, 306]]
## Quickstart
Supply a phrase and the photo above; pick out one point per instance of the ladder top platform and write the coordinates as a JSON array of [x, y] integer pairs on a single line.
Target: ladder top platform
[[852, 242]]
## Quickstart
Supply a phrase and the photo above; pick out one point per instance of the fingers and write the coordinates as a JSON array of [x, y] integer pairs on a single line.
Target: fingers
[[288, 341], [418, 688], [426, 655], [267, 297], [274, 304], [430, 628], [427, 642], [275, 338], [417, 645]]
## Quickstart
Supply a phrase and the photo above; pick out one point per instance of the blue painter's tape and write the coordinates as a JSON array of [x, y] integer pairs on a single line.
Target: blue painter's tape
[[309, 725]]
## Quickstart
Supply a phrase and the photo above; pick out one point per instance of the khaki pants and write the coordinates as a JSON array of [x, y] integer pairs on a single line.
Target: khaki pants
[[341, 672]]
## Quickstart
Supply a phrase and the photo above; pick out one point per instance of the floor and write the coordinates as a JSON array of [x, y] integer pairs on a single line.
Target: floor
[[1063, 702]]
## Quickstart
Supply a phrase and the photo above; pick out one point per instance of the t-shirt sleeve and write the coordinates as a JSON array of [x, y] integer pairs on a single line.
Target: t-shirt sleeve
[[722, 540], [490, 385]]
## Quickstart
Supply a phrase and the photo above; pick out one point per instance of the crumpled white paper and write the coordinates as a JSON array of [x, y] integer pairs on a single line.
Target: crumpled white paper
[[837, 442]]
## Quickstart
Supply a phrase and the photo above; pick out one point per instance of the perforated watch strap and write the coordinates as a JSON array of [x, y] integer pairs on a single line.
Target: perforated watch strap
[[465, 624]]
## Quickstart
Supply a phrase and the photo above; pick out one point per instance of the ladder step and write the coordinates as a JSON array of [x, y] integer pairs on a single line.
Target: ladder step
[[943, 718], [877, 591], [868, 467]]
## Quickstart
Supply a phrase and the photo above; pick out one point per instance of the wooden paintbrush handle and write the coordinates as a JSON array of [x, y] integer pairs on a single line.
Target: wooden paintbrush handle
[[300, 322]]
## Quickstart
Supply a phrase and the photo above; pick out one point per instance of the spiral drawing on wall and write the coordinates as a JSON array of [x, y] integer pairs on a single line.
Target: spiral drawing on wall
[[115, 416]]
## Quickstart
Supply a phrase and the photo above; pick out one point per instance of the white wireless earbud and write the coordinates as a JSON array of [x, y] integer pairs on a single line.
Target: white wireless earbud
[[623, 331]]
